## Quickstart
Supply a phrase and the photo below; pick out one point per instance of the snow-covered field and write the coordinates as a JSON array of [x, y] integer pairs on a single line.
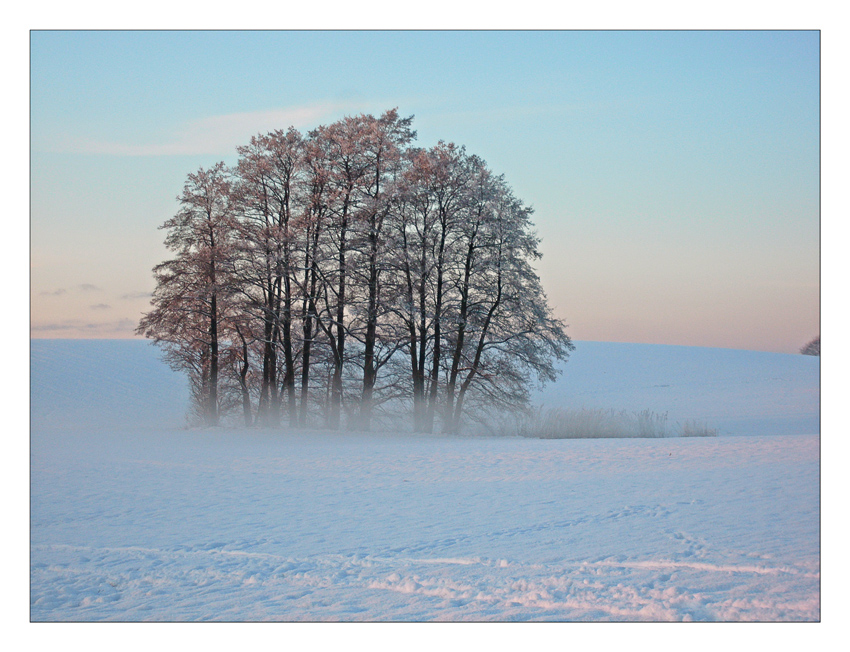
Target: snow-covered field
[[134, 517]]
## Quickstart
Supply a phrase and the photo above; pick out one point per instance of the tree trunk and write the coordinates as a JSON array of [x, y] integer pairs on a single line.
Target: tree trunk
[[369, 370], [243, 381], [461, 330], [438, 308], [339, 345], [419, 374], [289, 362], [212, 406], [274, 395], [268, 391], [479, 349], [311, 276]]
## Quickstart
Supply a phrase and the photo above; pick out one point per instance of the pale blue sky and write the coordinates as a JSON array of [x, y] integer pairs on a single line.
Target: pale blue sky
[[675, 175]]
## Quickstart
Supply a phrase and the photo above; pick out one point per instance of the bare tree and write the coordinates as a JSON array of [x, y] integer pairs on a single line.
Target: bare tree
[[383, 142], [362, 154], [412, 234], [312, 224], [265, 195], [345, 173], [466, 292], [190, 302], [505, 333], [435, 198]]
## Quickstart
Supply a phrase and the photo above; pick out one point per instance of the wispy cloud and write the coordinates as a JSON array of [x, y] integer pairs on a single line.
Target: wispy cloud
[[131, 296], [88, 287], [79, 328], [100, 306], [219, 134], [54, 293]]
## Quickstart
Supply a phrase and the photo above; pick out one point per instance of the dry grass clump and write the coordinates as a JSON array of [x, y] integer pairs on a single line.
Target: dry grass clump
[[586, 423], [696, 429]]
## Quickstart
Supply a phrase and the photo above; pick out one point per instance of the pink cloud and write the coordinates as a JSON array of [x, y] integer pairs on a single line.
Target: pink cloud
[[219, 134]]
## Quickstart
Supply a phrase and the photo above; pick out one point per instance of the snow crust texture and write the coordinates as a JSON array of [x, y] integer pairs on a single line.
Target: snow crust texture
[[155, 523]]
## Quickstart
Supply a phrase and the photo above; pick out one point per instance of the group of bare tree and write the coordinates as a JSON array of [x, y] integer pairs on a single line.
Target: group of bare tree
[[345, 275]]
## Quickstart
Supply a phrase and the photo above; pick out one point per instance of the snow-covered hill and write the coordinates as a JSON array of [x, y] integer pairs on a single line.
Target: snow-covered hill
[[737, 392], [133, 517]]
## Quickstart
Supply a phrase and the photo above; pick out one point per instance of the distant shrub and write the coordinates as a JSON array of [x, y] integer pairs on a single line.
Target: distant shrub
[[586, 423], [812, 348]]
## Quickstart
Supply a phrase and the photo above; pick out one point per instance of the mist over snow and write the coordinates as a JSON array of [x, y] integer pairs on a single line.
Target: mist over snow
[[136, 517], [104, 384], [123, 384]]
